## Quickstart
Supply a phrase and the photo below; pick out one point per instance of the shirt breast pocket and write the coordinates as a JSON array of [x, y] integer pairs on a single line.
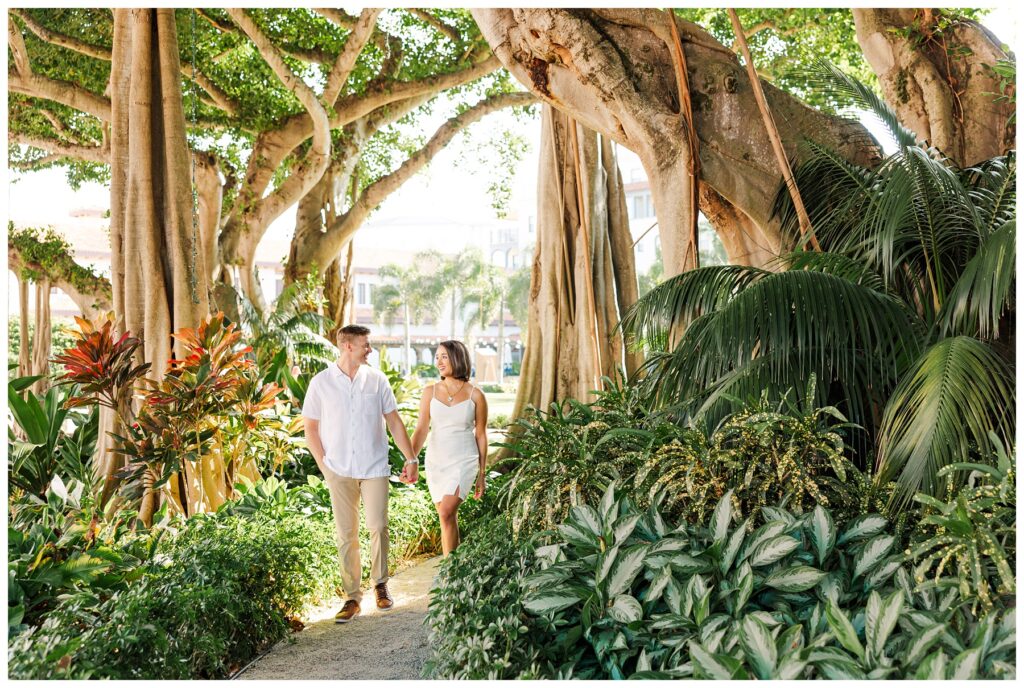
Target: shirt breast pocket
[[369, 405]]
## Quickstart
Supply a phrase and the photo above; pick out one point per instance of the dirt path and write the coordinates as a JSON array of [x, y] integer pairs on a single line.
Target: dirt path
[[375, 645]]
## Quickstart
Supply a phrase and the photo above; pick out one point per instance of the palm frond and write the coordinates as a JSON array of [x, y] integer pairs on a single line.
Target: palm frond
[[824, 76], [800, 323], [681, 299], [985, 290], [944, 408], [838, 264], [993, 189]]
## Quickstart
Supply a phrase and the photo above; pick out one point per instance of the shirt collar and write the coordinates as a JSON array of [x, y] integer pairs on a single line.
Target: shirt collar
[[338, 372]]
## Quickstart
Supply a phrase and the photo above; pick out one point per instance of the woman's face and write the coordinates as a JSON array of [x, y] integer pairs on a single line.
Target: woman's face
[[444, 366]]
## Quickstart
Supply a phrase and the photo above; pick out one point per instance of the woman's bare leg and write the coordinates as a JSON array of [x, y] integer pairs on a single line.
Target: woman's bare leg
[[447, 511]]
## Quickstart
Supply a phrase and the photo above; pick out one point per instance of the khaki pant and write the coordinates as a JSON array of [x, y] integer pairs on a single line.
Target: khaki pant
[[345, 495]]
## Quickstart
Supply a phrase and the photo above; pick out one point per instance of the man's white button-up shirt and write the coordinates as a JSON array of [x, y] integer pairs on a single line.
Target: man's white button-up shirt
[[351, 414]]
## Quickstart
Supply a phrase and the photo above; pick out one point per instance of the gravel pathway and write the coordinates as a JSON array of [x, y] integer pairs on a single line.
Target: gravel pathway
[[375, 645]]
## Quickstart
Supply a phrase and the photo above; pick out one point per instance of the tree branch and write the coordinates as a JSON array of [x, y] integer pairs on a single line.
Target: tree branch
[[91, 293], [346, 61], [372, 196], [97, 154], [63, 92], [448, 30], [17, 45], [317, 159], [64, 41]]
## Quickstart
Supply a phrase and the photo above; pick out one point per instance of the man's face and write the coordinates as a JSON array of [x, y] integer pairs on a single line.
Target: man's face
[[359, 348]]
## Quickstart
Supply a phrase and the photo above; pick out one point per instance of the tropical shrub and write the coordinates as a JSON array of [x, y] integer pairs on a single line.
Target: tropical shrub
[[37, 446], [762, 453], [478, 629], [289, 333], [973, 536], [796, 597], [62, 544], [224, 588]]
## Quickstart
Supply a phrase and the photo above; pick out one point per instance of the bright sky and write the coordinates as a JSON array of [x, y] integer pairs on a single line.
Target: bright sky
[[445, 190]]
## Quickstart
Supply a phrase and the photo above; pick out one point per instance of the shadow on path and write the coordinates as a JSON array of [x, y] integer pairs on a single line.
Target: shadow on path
[[375, 645]]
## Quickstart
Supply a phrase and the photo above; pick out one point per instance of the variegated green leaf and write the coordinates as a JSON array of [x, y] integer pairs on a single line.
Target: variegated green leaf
[[661, 579], [773, 550], [843, 629], [863, 527], [721, 518], [586, 517], [549, 601], [794, 579], [964, 666], [607, 503], [880, 620], [920, 643], [625, 526], [823, 533], [708, 664], [840, 670], [732, 548], [624, 570], [933, 667], [625, 609], [874, 551], [759, 647]]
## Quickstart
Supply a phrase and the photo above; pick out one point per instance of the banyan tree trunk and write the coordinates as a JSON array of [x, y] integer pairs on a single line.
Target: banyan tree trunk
[[583, 275], [41, 338], [159, 278], [24, 342]]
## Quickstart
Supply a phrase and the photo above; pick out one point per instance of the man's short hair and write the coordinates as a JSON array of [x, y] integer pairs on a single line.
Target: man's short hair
[[350, 332]]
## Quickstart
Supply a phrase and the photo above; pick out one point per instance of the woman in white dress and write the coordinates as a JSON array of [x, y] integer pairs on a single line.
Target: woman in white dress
[[454, 411]]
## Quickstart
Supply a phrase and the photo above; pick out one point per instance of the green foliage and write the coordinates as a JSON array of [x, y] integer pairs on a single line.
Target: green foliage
[[222, 587], [478, 629], [37, 447], [796, 597], [46, 254], [60, 544], [290, 333], [974, 535], [763, 453]]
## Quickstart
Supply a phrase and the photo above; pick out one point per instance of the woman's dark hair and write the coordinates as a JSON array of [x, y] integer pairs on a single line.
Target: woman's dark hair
[[458, 356]]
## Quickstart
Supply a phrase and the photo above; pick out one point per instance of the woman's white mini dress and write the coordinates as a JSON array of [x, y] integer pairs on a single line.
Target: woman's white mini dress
[[453, 457]]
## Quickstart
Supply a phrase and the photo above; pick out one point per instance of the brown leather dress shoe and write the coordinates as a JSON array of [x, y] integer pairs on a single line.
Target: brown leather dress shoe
[[384, 601], [348, 612]]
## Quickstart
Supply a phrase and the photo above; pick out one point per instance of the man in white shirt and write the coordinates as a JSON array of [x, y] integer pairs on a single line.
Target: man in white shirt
[[344, 412]]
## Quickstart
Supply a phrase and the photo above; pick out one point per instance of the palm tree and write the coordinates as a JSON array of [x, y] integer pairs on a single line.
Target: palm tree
[[412, 293], [451, 274], [906, 316], [483, 300]]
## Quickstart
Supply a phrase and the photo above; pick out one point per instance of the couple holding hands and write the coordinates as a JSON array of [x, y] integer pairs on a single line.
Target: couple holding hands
[[345, 410]]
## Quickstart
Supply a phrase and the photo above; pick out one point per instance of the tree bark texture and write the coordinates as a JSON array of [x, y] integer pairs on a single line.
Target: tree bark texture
[[24, 341], [158, 267], [612, 70], [583, 272], [938, 80], [159, 276], [41, 338]]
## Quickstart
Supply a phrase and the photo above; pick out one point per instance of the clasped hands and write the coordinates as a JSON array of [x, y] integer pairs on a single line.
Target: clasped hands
[[410, 472]]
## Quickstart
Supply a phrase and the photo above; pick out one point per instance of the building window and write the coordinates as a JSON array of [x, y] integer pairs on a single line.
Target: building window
[[361, 294], [640, 246]]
